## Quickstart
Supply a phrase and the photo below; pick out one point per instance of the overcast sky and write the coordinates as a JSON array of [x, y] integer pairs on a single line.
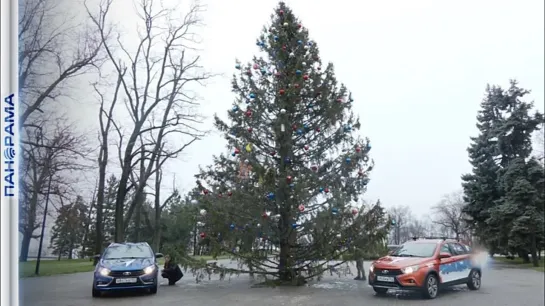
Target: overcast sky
[[417, 69]]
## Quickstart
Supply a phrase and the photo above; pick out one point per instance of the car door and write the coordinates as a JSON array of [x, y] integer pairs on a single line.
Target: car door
[[462, 261], [446, 265]]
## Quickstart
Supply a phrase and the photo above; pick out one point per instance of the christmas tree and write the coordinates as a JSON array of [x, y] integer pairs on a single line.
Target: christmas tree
[[284, 199]]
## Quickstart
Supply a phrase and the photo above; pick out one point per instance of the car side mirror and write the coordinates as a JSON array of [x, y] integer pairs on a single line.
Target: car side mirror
[[444, 255], [158, 255]]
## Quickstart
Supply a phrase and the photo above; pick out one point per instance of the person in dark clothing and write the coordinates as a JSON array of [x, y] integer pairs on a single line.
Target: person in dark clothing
[[171, 271], [358, 256]]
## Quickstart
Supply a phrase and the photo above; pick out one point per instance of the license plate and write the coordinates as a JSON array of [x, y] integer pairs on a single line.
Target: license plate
[[389, 279], [125, 280]]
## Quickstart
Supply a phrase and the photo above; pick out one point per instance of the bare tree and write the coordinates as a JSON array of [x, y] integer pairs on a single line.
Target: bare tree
[[448, 214], [48, 157], [53, 49], [417, 228], [105, 119], [402, 217], [157, 92]]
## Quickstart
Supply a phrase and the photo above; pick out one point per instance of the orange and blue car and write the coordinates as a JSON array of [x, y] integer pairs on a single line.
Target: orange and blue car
[[425, 266]]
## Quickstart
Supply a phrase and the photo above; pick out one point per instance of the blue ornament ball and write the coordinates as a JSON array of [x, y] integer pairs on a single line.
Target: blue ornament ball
[[237, 66], [235, 108], [275, 38], [321, 189], [299, 132], [334, 210], [252, 96], [298, 72], [287, 160], [232, 226], [294, 225], [348, 160], [300, 42]]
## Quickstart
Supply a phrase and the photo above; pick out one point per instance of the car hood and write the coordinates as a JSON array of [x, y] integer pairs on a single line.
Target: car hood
[[393, 262], [126, 264]]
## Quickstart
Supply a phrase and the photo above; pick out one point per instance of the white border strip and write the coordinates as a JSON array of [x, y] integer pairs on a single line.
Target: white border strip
[[4, 205], [9, 219], [14, 205]]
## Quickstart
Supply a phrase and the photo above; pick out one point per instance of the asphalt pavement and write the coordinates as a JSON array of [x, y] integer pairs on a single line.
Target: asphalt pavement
[[501, 286]]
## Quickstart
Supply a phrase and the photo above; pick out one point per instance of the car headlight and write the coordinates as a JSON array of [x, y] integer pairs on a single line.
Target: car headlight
[[149, 270], [409, 270], [104, 271], [372, 268]]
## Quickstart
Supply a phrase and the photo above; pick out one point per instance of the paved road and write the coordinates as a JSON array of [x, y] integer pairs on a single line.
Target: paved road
[[501, 287]]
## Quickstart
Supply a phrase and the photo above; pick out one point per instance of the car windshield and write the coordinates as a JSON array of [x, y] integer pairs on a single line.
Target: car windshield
[[121, 251], [415, 250]]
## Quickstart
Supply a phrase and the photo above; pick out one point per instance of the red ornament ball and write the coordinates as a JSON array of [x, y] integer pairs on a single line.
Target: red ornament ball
[[203, 235], [358, 149], [249, 113], [278, 74], [301, 208], [305, 77], [230, 193], [237, 151], [282, 91], [250, 129], [281, 12], [326, 190], [289, 179], [273, 153]]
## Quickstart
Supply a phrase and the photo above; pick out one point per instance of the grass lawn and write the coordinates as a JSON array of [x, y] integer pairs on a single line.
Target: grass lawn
[[54, 267], [517, 262], [68, 266]]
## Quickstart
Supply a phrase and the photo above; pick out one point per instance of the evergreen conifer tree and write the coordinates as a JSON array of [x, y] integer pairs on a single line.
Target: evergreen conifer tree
[[505, 191], [284, 199]]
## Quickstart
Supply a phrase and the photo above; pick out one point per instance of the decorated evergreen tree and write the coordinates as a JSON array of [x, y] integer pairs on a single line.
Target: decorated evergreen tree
[[284, 199]]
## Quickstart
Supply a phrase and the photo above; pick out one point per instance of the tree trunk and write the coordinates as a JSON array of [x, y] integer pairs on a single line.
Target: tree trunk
[[533, 250], [122, 187], [524, 255], [195, 238], [60, 253], [100, 202], [138, 220], [157, 202], [25, 245]]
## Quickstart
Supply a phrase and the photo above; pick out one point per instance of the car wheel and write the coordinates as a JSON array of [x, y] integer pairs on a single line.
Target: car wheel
[[380, 290], [474, 282], [96, 293], [431, 287]]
